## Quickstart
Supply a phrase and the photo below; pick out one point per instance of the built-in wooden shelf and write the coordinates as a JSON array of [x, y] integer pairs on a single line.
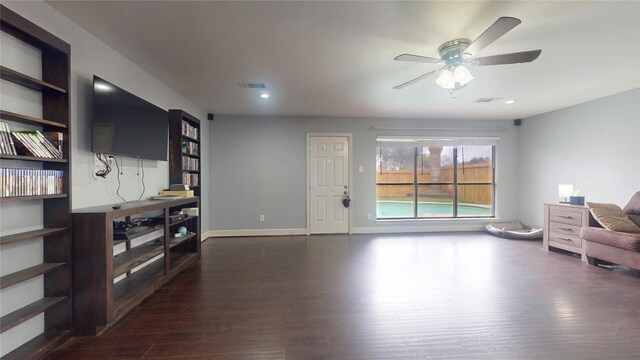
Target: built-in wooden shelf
[[39, 346], [182, 221], [54, 211], [30, 158], [190, 139], [28, 81], [137, 286], [181, 260], [180, 240], [136, 256], [28, 273], [145, 231], [35, 197], [25, 313], [143, 269], [29, 120], [177, 154], [31, 234]]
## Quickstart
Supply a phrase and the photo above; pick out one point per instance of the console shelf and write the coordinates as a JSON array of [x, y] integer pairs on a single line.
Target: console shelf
[[141, 232], [188, 218], [177, 241], [136, 256], [146, 267]]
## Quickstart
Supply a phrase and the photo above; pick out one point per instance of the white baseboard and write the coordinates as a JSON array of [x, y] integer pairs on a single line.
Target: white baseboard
[[355, 230], [253, 232], [415, 229]]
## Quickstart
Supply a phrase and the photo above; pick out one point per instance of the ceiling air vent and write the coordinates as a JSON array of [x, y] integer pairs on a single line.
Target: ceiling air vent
[[486, 100], [252, 85]]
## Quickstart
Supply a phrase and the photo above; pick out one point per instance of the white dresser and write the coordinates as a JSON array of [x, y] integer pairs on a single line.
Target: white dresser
[[562, 224]]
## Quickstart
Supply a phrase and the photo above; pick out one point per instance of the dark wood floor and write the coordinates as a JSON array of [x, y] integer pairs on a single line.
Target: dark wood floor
[[436, 296]]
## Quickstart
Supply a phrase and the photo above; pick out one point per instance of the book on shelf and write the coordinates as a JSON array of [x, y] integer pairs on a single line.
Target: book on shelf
[[190, 164], [190, 179], [34, 143], [7, 146], [30, 182], [189, 130], [189, 147], [56, 139]]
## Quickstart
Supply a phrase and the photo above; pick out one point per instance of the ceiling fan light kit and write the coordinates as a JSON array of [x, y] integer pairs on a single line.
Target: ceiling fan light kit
[[457, 53]]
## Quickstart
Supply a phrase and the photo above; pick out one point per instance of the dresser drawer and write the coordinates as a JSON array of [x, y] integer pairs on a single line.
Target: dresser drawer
[[567, 229], [565, 216], [566, 239]]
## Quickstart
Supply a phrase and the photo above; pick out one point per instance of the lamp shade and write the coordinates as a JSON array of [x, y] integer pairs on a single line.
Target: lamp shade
[[565, 190], [446, 80], [462, 75]]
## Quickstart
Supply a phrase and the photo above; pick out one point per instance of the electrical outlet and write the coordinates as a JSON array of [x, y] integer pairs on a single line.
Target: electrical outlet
[[370, 216], [261, 217], [97, 162]]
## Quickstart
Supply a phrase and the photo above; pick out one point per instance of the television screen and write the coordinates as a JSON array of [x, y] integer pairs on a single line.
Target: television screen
[[124, 124]]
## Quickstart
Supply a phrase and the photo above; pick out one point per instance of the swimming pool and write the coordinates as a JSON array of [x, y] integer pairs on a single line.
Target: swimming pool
[[402, 209]]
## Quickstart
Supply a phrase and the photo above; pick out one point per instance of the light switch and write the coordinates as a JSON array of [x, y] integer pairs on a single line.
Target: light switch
[[360, 169]]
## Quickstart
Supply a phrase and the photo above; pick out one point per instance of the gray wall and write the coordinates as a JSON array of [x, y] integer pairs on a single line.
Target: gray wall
[[259, 167], [595, 146]]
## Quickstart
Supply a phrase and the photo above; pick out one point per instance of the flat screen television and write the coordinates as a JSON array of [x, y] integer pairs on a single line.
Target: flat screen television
[[124, 124]]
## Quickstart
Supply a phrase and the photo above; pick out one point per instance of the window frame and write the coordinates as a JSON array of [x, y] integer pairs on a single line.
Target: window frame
[[455, 184]]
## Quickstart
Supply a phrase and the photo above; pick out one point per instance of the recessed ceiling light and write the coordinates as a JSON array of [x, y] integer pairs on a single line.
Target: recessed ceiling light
[[509, 101], [264, 95]]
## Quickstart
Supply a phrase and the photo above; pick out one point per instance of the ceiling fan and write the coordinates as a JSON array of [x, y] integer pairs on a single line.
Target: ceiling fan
[[457, 54]]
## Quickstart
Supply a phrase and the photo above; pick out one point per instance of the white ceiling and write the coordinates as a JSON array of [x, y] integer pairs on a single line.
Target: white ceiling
[[336, 58]]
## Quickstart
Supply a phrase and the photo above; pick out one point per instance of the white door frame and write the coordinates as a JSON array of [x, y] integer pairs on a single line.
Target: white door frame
[[349, 137]]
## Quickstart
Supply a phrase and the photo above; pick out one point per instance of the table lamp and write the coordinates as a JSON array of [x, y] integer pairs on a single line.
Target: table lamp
[[564, 192]]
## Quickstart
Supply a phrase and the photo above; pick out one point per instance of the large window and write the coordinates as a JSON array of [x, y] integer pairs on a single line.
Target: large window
[[435, 178]]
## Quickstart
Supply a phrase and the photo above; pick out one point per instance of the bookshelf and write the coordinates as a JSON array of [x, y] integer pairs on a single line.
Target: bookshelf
[[184, 151], [56, 208], [150, 258]]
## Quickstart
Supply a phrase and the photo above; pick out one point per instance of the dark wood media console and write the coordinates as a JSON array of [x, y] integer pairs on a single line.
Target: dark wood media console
[[145, 262]]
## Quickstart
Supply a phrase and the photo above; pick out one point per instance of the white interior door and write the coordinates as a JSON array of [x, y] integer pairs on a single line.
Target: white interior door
[[328, 179]]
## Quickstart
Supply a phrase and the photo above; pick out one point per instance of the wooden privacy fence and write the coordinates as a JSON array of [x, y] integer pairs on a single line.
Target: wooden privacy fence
[[473, 173]]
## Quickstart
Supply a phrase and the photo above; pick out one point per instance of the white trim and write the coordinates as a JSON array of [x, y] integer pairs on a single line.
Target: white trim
[[478, 129], [415, 229], [349, 137], [254, 232]]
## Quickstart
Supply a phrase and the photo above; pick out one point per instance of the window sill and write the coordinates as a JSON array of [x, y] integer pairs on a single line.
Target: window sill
[[439, 220]]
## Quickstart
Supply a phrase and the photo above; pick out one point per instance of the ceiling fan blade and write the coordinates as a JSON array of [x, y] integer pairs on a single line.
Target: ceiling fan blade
[[417, 58], [416, 79], [502, 26], [512, 58]]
